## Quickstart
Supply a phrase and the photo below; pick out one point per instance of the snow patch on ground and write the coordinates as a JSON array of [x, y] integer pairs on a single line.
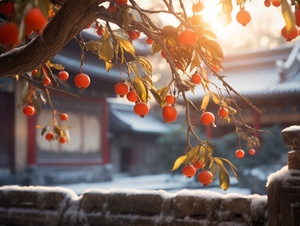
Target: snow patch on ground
[[166, 182]]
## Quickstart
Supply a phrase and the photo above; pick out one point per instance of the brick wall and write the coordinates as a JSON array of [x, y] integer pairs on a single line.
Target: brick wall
[[38, 206]]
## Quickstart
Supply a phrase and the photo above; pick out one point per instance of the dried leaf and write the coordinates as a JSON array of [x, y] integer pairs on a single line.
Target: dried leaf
[[93, 46], [55, 66], [288, 15], [231, 110], [179, 161], [224, 180], [215, 98], [67, 134], [44, 130], [205, 102], [58, 131]]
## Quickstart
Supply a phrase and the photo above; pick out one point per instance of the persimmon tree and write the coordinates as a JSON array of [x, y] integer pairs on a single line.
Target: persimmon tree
[[32, 32]]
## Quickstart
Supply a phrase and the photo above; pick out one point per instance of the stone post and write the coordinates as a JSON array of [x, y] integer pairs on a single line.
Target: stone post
[[284, 186]]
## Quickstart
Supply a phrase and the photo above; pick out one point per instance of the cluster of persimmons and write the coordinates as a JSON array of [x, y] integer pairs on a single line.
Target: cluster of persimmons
[[190, 49]]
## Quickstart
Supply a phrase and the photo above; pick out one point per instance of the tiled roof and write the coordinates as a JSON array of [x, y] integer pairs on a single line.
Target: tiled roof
[[261, 73], [70, 58], [124, 119]]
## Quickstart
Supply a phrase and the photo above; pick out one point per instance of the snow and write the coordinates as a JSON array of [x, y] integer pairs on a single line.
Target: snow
[[165, 183], [284, 175], [40, 190], [291, 128]]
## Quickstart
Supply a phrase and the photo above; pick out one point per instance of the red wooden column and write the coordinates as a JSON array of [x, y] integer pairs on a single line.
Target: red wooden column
[[31, 141], [105, 132], [209, 131]]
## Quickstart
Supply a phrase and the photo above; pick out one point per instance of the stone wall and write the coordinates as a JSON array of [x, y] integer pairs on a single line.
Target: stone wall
[[50, 206]]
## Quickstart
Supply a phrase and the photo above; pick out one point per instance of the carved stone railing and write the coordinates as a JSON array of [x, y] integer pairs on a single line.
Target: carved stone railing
[[58, 206]]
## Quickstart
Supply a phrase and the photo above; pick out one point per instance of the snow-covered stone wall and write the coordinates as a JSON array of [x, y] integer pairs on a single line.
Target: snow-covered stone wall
[[32, 206]]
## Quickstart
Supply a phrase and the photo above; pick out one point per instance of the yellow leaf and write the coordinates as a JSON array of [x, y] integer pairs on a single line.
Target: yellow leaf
[[215, 98], [126, 18], [210, 33], [223, 175], [163, 91], [240, 2], [106, 52], [193, 153], [140, 88], [227, 6], [126, 45], [44, 7], [179, 161], [288, 16], [145, 64], [231, 110], [205, 102], [133, 67], [195, 62], [215, 49], [108, 65], [157, 97], [160, 95], [232, 167], [55, 66], [169, 31], [93, 46], [198, 152], [155, 48]]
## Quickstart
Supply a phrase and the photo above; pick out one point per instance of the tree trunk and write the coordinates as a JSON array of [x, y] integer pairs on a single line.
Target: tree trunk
[[73, 16]]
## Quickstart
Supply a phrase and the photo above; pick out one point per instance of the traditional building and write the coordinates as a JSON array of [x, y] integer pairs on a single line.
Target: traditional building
[[270, 79], [106, 136], [103, 141]]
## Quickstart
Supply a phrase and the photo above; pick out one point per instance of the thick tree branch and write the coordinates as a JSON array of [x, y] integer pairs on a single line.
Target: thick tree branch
[[73, 16]]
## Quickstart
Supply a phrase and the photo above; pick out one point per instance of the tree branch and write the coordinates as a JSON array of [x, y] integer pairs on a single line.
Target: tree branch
[[73, 16]]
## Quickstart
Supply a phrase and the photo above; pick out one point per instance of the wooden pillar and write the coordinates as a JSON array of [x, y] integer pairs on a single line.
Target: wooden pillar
[[105, 132], [31, 141], [208, 131], [284, 186]]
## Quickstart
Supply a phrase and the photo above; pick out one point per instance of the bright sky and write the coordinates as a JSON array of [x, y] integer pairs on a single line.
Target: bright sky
[[267, 21]]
